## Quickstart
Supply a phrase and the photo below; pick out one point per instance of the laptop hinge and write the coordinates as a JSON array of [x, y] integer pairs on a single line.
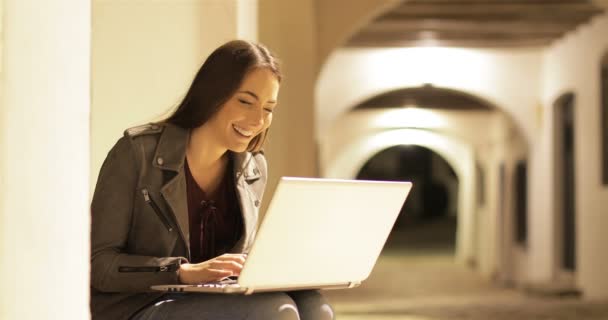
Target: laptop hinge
[[353, 284]]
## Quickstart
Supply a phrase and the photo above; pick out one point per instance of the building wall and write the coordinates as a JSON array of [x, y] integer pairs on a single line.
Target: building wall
[[335, 24], [455, 135], [457, 153], [506, 79], [573, 64], [145, 55], [524, 83], [288, 29], [303, 33]]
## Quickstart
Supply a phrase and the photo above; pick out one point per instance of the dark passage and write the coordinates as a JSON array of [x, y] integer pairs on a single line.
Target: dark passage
[[428, 218]]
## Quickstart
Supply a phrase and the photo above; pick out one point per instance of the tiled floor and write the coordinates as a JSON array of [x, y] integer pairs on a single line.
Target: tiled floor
[[432, 287], [413, 284]]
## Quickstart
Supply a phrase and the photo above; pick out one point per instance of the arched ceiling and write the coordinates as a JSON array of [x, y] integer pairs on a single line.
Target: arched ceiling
[[426, 96], [475, 23]]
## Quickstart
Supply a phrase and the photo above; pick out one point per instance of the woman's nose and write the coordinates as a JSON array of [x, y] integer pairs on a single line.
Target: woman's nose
[[257, 117]]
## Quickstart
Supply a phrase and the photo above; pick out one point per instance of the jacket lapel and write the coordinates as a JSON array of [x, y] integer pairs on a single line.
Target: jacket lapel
[[170, 154], [245, 173], [175, 193]]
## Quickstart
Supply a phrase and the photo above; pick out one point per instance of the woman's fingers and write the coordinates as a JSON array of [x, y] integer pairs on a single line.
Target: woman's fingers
[[219, 273], [237, 257], [212, 270], [227, 265]]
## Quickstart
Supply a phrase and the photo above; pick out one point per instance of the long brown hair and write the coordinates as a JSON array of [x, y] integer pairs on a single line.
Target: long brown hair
[[218, 79]]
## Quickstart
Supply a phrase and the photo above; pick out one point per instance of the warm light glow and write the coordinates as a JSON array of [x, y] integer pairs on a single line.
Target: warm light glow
[[352, 157], [436, 65], [436, 142], [351, 76], [409, 118]]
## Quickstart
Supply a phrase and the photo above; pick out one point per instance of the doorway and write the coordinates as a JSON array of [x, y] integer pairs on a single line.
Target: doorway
[[565, 192], [428, 218]]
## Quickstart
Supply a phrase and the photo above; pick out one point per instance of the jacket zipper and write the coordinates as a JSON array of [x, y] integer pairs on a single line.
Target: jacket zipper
[[168, 268], [156, 209]]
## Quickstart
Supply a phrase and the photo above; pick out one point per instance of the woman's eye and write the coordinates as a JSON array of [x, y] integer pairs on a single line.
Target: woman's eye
[[245, 102], [269, 110]]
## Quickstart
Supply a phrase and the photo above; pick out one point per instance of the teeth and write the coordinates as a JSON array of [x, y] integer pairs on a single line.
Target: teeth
[[242, 131]]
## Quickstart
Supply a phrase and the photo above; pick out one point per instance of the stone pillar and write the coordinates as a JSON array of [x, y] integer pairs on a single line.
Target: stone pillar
[[44, 162], [288, 28]]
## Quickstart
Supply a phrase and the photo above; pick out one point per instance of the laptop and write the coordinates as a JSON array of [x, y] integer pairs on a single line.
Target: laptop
[[316, 234]]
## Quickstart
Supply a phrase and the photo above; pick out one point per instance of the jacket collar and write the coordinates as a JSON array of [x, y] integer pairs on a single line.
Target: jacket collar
[[171, 152]]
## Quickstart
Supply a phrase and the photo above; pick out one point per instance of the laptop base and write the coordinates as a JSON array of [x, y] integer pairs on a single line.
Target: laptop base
[[234, 288]]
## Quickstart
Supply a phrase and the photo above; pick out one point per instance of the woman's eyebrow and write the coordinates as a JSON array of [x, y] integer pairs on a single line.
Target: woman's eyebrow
[[256, 96], [251, 94]]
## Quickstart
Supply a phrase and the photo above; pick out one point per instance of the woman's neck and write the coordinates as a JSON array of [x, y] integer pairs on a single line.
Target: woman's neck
[[203, 151]]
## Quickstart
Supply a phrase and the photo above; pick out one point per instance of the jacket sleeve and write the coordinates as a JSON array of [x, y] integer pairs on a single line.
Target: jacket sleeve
[[112, 268]]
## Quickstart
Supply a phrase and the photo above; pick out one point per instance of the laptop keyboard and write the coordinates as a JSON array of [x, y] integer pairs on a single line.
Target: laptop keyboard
[[219, 284], [215, 285]]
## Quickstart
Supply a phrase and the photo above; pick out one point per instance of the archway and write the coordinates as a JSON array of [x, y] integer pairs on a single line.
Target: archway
[[428, 218], [352, 157]]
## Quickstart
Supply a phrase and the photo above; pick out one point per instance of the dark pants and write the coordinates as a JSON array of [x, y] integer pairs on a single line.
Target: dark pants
[[296, 305]]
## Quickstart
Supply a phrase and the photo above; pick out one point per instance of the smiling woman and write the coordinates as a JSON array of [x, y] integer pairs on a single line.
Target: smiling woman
[[243, 120], [177, 201]]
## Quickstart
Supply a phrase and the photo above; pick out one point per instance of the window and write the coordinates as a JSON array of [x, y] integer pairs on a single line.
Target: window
[[604, 118]]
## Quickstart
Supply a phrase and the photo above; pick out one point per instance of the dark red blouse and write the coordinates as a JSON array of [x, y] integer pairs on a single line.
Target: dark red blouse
[[216, 223]]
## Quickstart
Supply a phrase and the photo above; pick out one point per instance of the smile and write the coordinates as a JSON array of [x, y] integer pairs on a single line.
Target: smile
[[242, 131]]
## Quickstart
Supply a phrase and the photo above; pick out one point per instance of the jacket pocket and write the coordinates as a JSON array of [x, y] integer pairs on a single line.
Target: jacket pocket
[[156, 209], [168, 268]]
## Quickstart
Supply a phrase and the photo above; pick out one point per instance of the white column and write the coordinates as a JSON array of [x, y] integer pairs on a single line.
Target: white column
[[44, 162]]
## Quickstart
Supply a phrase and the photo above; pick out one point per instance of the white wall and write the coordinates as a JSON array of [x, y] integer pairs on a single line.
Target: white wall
[[455, 135], [465, 125], [247, 19], [508, 79], [353, 155], [145, 55], [288, 29], [524, 83], [572, 64], [44, 168], [335, 25]]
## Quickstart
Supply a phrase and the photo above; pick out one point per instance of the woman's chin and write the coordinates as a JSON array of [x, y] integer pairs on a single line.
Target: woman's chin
[[239, 148]]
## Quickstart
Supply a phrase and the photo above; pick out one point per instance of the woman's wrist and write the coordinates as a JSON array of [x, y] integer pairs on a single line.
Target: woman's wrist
[[181, 272]]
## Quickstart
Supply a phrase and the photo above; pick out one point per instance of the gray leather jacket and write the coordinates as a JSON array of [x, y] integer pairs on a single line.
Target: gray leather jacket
[[140, 233]]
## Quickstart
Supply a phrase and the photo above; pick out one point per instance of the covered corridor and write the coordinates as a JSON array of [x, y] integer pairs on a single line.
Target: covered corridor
[[510, 97]]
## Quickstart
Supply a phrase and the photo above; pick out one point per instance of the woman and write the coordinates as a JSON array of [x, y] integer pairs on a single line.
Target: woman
[[177, 201]]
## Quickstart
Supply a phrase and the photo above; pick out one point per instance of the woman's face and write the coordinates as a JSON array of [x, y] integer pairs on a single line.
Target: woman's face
[[248, 112]]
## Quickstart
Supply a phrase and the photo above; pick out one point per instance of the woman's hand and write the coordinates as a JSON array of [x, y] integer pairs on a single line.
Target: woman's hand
[[212, 270]]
